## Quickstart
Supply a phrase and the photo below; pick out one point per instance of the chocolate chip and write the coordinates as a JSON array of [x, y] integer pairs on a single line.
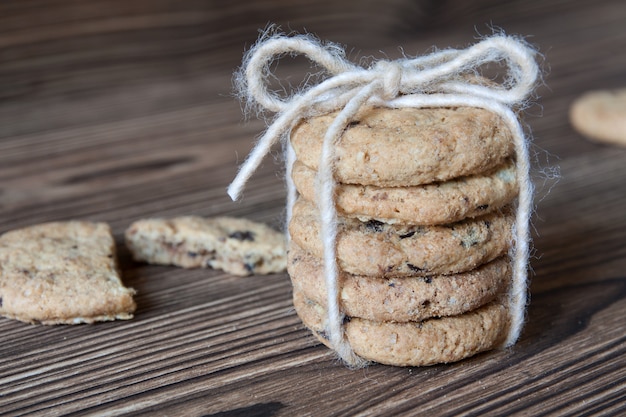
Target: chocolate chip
[[374, 225], [487, 224], [392, 284], [428, 280], [414, 268], [483, 207], [249, 267], [242, 235], [468, 243], [323, 334], [354, 123], [192, 254], [0, 301], [409, 234]]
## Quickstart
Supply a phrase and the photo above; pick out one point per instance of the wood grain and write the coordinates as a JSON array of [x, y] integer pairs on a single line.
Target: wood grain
[[117, 110]]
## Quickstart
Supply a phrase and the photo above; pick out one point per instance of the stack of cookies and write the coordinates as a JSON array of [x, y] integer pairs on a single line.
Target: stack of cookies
[[425, 217]]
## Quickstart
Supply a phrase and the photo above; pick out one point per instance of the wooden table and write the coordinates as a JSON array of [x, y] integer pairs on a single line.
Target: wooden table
[[118, 110]]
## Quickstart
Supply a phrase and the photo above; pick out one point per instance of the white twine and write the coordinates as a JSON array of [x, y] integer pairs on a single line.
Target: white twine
[[435, 80]]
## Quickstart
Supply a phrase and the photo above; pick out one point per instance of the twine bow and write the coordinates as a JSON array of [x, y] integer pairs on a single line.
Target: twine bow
[[435, 80]]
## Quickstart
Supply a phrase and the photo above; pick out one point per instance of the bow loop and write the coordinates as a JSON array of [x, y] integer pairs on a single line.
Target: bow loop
[[257, 62]]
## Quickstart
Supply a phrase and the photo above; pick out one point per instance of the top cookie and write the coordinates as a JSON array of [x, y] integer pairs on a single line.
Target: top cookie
[[62, 273], [239, 246], [411, 146]]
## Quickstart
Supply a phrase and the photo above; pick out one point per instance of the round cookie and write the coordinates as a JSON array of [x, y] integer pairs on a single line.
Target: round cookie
[[437, 203], [402, 299], [380, 249], [424, 343], [409, 146], [601, 115]]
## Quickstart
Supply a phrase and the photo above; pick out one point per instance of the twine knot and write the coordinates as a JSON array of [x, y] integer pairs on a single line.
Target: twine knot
[[435, 80], [390, 73]]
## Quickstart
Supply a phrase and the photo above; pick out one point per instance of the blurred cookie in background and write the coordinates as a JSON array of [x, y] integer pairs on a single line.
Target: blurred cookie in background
[[601, 116]]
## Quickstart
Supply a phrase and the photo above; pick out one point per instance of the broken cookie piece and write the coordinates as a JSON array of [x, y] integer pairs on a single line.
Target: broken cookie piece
[[238, 246], [62, 273]]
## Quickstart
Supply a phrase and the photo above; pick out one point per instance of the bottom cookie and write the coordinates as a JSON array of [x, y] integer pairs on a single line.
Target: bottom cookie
[[424, 343]]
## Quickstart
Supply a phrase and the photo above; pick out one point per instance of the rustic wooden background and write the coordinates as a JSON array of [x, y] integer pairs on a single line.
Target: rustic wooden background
[[113, 110]]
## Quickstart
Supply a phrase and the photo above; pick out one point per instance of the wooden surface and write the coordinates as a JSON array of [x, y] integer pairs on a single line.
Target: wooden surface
[[117, 110]]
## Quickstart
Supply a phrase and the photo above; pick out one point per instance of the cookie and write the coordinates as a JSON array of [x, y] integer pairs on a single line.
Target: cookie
[[429, 342], [62, 273], [410, 146], [601, 116], [437, 203], [402, 299], [238, 246], [380, 249]]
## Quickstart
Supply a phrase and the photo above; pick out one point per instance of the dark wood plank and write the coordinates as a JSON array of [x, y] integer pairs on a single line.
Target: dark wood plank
[[117, 110]]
